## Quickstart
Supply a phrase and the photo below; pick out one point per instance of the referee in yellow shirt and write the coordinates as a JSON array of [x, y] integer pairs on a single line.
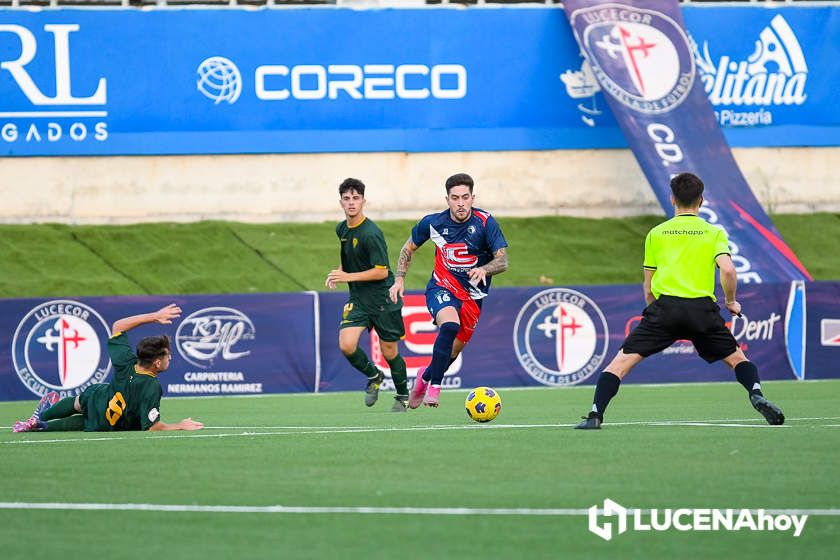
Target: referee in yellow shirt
[[679, 285]]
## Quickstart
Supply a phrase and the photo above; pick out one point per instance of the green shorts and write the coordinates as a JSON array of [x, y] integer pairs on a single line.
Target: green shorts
[[387, 322], [94, 402]]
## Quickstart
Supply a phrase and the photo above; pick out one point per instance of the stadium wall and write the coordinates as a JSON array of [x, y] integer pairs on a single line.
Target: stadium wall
[[302, 187]]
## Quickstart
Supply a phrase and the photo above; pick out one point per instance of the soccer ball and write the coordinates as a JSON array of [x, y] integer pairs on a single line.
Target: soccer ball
[[483, 404]]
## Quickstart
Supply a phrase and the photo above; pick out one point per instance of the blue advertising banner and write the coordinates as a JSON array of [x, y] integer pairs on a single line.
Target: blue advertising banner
[[232, 344], [642, 57], [89, 82], [561, 336], [823, 330], [281, 343]]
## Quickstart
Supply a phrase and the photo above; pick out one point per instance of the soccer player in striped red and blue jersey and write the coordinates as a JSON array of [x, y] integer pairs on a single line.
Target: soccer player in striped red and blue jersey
[[469, 249]]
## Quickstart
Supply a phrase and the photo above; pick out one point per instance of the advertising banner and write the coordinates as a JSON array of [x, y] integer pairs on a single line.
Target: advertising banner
[[561, 336], [822, 334], [221, 345], [110, 82], [280, 343], [642, 57]]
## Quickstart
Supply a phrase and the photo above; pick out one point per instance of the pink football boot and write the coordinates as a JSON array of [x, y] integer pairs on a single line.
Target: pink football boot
[[432, 396], [417, 392]]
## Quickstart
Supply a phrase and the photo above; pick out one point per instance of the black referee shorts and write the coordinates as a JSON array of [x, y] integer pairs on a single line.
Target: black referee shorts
[[670, 318]]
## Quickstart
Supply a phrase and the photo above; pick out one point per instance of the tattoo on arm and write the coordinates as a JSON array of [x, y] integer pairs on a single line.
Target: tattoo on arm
[[499, 263], [404, 261]]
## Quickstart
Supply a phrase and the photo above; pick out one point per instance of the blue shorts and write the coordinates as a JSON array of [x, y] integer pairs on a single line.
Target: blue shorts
[[468, 310]]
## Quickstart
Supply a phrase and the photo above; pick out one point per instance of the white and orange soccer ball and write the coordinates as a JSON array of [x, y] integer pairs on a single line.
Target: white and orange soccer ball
[[483, 404]]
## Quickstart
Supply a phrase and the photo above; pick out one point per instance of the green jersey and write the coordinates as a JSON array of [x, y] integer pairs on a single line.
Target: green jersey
[[362, 248], [682, 251], [131, 401]]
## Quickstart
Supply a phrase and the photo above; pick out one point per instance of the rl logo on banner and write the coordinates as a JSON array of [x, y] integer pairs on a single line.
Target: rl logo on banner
[[33, 124], [642, 58]]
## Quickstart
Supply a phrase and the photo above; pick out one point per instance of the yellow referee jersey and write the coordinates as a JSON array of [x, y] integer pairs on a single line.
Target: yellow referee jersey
[[682, 251]]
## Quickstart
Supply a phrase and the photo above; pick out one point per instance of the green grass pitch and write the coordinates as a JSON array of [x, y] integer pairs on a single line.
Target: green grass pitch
[[692, 446]]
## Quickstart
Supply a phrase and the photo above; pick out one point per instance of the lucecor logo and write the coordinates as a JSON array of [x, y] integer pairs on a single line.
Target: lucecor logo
[[560, 337], [641, 57], [58, 346]]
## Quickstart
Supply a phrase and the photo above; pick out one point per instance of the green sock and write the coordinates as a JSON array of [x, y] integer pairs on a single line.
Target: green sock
[[61, 409], [399, 375], [74, 423], [360, 361]]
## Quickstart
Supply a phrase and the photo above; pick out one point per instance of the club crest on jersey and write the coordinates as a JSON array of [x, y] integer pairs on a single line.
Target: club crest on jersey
[[641, 57], [355, 242], [58, 346], [560, 337], [456, 255]]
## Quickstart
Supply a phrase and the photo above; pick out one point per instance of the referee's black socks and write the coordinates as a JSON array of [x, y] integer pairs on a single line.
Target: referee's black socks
[[747, 375], [605, 390]]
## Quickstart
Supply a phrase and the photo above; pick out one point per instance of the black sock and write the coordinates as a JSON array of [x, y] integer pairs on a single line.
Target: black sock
[[747, 375], [605, 390]]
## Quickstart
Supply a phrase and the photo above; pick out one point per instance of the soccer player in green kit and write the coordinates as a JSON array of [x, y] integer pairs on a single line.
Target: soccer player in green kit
[[365, 268], [679, 285], [131, 401]]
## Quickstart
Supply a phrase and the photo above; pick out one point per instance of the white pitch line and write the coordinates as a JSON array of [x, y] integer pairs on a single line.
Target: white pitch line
[[288, 509], [318, 430], [321, 430], [298, 432], [717, 425], [348, 509]]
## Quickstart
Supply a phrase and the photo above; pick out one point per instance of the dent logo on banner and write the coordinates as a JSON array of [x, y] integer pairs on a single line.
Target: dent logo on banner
[[212, 333], [33, 124], [58, 346], [560, 337]]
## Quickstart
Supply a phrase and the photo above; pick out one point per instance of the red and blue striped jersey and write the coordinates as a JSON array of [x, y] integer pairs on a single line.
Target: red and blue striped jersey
[[460, 247]]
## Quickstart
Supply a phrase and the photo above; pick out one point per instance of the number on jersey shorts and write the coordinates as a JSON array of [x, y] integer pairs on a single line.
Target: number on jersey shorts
[[468, 310]]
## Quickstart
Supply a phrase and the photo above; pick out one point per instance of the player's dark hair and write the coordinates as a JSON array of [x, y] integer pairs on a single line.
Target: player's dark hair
[[351, 184], [459, 179], [687, 189], [151, 348]]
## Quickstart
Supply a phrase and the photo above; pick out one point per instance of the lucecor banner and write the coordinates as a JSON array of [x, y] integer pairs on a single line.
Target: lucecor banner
[[281, 343], [101, 82], [642, 57]]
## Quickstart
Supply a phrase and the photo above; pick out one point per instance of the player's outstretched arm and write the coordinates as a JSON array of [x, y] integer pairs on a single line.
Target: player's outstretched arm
[[185, 424], [163, 316], [406, 254]]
